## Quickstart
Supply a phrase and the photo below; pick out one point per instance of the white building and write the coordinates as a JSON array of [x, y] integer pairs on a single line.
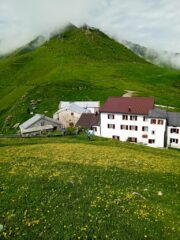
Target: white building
[[173, 130], [136, 120], [91, 106], [38, 124]]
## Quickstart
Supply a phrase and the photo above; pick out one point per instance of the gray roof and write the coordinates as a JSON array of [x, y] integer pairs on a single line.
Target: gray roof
[[82, 104], [157, 113], [74, 108], [35, 119], [173, 119], [31, 121]]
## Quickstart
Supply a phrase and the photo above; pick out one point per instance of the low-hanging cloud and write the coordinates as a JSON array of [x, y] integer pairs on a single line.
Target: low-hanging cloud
[[152, 23], [23, 20]]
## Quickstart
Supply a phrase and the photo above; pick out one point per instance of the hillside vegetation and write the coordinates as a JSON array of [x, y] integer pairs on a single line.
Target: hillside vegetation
[[70, 188], [160, 58], [79, 64]]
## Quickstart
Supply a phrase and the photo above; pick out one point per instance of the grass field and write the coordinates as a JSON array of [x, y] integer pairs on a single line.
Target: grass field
[[77, 65], [69, 188]]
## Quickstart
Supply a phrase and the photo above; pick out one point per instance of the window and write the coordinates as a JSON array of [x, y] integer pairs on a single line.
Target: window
[[153, 132], [124, 127], [72, 114], [132, 139], [151, 141], [133, 128], [160, 122], [144, 136], [153, 121], [111, 126], [133, 118], [95, 129], [145, 119], [71, 124], [125, 117], [145, 129], [110, 116], [174, 130], [173, 140], [116, 137]]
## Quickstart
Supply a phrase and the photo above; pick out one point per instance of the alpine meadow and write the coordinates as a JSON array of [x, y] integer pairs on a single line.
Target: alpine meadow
[[70, 187]]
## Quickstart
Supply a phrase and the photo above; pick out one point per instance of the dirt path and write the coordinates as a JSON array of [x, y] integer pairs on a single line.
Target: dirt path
[[128, 93]]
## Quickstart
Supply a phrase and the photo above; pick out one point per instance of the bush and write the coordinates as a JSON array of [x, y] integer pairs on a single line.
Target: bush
[[70, 131]]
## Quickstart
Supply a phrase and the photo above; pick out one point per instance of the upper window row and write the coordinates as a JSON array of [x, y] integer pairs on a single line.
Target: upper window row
[[157, 121], [126, 117], [174, 130], [132, 117]]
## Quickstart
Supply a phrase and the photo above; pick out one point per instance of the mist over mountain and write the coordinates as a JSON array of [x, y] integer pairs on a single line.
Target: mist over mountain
[[154, 24], [157, 57]]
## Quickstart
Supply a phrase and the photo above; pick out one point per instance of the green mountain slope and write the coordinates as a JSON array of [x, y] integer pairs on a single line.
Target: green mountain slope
[[79, 64], [160, 58]]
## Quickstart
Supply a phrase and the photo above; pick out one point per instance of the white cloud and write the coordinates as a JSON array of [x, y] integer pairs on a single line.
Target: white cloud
[[23, 20], [153, 23]]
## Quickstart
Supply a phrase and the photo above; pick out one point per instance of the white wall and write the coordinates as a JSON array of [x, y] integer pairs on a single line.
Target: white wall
[[93, 110], [125, 134], [97, 133], [173, 136]]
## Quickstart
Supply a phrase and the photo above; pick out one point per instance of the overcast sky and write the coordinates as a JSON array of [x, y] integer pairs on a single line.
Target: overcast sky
[[153, 23]]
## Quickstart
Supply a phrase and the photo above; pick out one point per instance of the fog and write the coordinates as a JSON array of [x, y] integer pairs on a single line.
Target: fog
[[154, 23]]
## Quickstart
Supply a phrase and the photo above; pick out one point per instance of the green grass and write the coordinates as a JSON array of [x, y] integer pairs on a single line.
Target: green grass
[[77, 65], [69, 188]]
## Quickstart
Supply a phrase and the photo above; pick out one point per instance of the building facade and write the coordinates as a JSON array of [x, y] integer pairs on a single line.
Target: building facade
[[137, 120], [133, 128], [69, 116], [70, 112], [38, 124], [173, 130]]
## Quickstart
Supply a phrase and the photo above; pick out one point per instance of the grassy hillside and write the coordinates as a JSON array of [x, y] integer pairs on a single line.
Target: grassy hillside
[[79, 64], [160, 58], [52, 190]]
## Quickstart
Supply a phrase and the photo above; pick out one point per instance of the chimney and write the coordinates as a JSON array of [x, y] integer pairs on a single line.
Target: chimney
[[129, 108]]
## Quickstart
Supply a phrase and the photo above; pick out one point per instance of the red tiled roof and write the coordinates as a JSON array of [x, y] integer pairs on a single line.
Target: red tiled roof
[[87, 120], [131, 105]]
